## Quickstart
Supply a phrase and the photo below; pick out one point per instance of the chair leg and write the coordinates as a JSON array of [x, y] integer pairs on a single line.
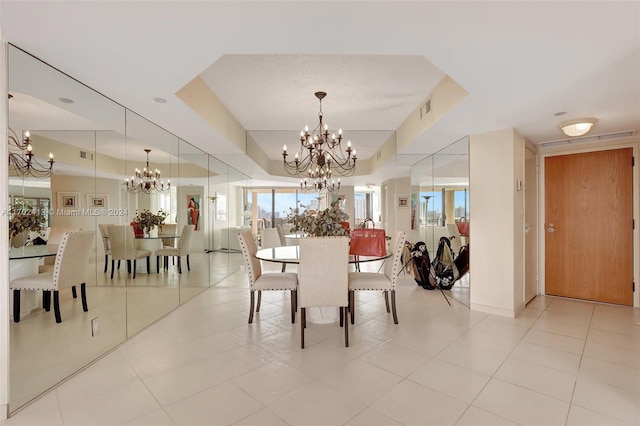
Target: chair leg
[[393, 305], [118, 265], [179, 264], [113, 263], [293, 306], [16, 305], [251, 306], [148, 265], [74, 292], [259, 300], [346, 329], [134, 268], [386, 300], [83, 296], [302, 326], [341, 317], [284, 267], [188, 266], [56, 306], [352, 305], [46, 300], [157, 264], [106, 263], [129, 266]]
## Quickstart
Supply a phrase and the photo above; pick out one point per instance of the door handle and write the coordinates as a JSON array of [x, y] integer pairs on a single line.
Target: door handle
[[551, 230]]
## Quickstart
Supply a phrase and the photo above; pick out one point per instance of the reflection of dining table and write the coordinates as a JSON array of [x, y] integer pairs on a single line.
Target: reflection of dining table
[[291, 255], [24, 261]]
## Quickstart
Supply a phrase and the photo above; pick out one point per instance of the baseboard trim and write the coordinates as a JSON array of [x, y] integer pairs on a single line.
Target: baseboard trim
[[509, 313]]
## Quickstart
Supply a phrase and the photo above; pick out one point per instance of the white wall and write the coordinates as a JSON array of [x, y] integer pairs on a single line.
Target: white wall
[[394, 218], [498, 225]]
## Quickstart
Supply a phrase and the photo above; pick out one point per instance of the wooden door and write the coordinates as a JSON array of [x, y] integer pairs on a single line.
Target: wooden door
[[589, 226]]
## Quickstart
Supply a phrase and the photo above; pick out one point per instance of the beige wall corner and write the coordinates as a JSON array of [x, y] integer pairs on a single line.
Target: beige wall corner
[[497, 229]]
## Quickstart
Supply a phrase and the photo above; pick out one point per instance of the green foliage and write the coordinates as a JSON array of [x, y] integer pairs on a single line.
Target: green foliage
[[147, 220], [325, 223]]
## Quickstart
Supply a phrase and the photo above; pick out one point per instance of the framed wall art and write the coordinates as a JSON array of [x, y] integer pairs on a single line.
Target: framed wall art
[[403, 202], [69, 200], [97, 201]]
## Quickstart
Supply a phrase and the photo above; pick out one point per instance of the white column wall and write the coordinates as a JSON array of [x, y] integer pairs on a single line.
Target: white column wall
[[496, 162], [396, 219]]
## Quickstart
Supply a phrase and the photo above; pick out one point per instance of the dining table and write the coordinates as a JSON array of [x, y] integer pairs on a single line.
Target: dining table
[[153, 244], [291, 255], [24, 261]]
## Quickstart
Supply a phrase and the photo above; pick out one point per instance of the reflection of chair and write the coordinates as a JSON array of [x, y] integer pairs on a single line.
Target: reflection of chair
[[259, 281], [377, 281], [168, 229], [323, 277], [283, 241], [123, 247], [270, 238], [455, 237], [70, 269], [104, 233], [183, 249]]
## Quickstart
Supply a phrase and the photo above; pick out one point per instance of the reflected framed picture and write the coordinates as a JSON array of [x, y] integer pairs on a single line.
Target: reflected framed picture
[[193, 210], [403, 202], [97, 201], [68, 200]]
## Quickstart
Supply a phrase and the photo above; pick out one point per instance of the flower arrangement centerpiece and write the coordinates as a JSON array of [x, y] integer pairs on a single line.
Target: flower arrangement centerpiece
[[325, 223], [24, 219], [145, 220]]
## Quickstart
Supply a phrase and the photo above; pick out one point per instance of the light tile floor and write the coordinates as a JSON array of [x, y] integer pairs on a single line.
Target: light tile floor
[[561, 362]]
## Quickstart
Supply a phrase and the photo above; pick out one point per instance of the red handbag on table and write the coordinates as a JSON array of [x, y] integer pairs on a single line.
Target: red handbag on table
[[368, 241]]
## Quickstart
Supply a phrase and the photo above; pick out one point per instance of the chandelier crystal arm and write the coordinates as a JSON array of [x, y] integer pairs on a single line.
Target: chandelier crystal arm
[[22, 160]]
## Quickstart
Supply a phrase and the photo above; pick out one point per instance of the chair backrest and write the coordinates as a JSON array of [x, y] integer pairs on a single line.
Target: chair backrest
[[104, 234], [454, 236], [53, 242], [393, 265], [249, 250], [123, 242], [184, 243], [168, 229], [269, 238], [283, 241], [72, 259], [323, 271]]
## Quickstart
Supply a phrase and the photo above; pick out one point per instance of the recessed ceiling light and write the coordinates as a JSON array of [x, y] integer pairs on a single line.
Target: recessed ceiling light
[[578, 127], [160, 100], [558, 114], [66, 100]]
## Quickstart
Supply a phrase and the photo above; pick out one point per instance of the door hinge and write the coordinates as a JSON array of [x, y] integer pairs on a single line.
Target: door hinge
[[633, 286], [633, 161]]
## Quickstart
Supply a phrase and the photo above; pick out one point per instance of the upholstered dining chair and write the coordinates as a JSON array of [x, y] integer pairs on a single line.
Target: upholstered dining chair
[[168, 229], [323, 278], [385, 282], [183, 249], [70, 269], [53, 241], [277, 281], [283, 240], [270, 238], [104, 234], [123, 247]]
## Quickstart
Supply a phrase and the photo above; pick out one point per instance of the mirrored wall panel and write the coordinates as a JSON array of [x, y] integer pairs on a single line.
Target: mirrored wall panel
[[162, 214]]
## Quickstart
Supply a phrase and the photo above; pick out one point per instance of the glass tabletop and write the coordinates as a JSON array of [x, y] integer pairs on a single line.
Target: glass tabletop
[[29, 252], [291, 254]]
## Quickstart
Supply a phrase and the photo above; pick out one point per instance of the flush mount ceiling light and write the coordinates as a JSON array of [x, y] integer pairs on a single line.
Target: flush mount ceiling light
[[578, 127]]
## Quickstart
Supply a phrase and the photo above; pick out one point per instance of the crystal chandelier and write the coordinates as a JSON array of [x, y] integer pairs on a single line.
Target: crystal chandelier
[[146, 180], [21, 157], [323, 155]]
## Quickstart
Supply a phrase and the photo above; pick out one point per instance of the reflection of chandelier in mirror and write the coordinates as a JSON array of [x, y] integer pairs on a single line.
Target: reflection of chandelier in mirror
[[21, 157], [324, 156], [146, 180]]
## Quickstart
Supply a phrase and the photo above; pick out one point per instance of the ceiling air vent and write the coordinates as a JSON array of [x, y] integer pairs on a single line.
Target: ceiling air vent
[[86, 155], [425, 109]]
